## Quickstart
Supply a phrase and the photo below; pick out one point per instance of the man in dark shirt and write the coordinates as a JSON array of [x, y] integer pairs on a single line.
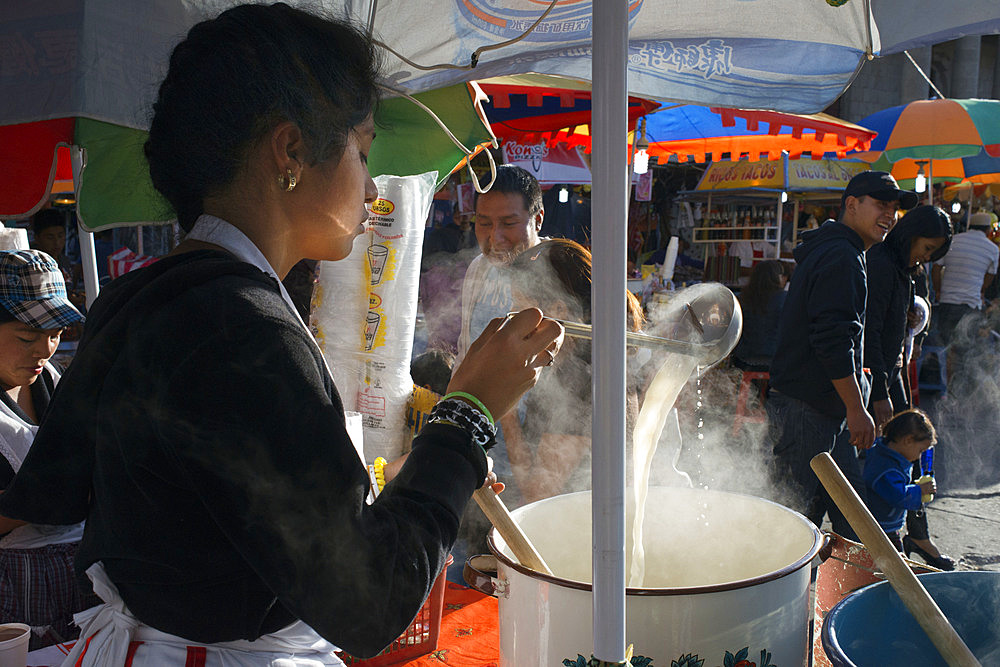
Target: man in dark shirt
[[817, 384]]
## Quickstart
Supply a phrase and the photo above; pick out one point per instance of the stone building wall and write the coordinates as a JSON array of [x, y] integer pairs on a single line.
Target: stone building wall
[[966, 67]]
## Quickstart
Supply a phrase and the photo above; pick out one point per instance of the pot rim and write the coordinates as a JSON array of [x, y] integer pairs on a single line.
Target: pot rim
[[818, 541], [828, 633]]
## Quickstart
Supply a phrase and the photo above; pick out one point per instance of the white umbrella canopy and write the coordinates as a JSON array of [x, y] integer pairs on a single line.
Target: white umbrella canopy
[[785, 55], [103, 59]]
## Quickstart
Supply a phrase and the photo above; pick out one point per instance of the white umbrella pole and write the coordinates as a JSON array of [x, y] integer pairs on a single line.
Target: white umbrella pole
[[781, 214], [930, 182], [781, 204], [610, 215], [88, 255]]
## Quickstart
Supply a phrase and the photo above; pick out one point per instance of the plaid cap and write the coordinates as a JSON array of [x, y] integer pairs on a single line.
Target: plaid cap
[[32, 289]]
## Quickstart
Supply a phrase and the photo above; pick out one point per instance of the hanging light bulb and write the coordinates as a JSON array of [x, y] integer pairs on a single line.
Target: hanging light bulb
[[784, 197], [640, 161], [920, 182], [563, 194], [956, 206]]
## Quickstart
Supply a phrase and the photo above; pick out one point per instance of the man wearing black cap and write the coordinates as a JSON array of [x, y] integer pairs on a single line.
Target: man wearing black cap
[[817, 383]]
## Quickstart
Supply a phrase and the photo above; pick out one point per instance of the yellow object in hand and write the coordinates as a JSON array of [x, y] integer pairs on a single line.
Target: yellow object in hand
[[379, 466], [927, 497]]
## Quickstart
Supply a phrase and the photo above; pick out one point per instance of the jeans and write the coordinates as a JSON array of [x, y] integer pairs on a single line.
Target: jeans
[[798, 432]]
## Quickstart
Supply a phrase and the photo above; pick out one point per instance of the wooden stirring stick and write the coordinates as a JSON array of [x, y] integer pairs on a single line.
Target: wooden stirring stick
[[901, 578], [500, 517]]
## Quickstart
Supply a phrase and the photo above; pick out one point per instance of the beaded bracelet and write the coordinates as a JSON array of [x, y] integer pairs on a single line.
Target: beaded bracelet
[[475, 401], [459, 413]]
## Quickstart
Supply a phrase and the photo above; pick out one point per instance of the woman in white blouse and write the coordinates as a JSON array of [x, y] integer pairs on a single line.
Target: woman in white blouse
[[37, 585]]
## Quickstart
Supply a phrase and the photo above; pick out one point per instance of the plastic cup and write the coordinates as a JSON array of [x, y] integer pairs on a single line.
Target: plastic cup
[[14, 639], [377, 255], [371, 327]]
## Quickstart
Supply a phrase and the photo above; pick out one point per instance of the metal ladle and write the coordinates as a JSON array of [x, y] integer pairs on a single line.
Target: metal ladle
[[707, 325]]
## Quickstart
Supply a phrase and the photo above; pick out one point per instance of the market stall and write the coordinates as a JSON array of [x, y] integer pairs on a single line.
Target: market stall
[[745, 202], [725, 75]]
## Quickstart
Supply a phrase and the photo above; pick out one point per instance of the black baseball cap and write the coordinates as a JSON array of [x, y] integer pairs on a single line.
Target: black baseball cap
[[880, 185]]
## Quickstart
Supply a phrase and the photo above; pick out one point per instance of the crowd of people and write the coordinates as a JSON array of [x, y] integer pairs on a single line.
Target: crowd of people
[[834, 329], [191, 485]]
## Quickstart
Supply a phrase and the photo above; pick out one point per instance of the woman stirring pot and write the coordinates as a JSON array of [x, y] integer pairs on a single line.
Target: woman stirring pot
[[37, 584], [201, 434]]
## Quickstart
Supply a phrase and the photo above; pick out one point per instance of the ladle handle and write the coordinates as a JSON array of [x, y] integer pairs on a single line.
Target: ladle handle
[[500, 517], [900, 576]]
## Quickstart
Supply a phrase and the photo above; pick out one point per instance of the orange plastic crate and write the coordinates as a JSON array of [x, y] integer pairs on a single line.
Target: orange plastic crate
[[420, 638]]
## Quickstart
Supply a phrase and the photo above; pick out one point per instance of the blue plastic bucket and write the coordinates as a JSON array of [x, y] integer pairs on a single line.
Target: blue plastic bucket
[[872, 628]]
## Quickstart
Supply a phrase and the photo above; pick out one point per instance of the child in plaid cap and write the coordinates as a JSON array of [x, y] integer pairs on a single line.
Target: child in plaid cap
[[37, 585]]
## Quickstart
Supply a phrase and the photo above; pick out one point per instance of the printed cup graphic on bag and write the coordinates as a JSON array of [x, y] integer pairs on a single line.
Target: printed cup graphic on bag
[[377, 255], [371, 327]]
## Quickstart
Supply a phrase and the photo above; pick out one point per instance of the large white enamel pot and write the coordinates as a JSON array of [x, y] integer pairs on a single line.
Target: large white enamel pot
[[725, 573]]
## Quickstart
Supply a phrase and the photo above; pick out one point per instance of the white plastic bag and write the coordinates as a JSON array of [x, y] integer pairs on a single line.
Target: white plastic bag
[[366, 310]]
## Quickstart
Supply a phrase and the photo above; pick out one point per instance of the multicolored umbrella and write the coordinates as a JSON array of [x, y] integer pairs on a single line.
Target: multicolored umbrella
[[700, 133], [529, 110], [981, 168], [536, 108], [114, 188], [936, 129], [970, 189], [982, 177]]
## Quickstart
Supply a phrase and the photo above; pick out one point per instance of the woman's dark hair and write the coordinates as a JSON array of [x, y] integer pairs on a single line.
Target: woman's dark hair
[[236, 76], [560, 270], [928, 222], [765, 280], [913, 422]]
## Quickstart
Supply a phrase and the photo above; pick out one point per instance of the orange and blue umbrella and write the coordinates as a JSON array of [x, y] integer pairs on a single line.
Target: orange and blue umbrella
[[688, 131], [937, 129], [981, 168]]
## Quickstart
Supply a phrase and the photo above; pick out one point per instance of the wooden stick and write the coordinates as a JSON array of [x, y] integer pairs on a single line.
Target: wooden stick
[[901, 578], [500, 517]]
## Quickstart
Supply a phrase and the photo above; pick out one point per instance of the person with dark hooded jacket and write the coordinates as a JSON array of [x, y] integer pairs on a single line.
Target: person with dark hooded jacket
[[817, 385], [922, 235]]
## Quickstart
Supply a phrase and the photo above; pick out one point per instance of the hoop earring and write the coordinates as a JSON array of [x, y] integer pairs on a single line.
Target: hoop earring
[[292, 181]]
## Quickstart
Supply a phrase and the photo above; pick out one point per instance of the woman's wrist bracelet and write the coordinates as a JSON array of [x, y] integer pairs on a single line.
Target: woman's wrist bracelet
[[475, 401], [469, 418]]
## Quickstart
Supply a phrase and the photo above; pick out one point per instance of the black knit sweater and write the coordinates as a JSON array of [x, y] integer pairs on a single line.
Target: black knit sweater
[[200, 435]]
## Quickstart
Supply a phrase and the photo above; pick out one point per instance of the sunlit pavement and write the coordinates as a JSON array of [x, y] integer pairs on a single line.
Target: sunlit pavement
[[964, 518]]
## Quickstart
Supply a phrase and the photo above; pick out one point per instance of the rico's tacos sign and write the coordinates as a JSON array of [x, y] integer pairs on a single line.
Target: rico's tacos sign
[[770, 175]]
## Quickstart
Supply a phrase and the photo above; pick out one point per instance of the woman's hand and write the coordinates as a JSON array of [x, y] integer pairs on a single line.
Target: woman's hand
[[505, 361]]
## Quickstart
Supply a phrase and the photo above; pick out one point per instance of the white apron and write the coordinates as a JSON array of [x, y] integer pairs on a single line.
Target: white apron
[[110, 636]]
